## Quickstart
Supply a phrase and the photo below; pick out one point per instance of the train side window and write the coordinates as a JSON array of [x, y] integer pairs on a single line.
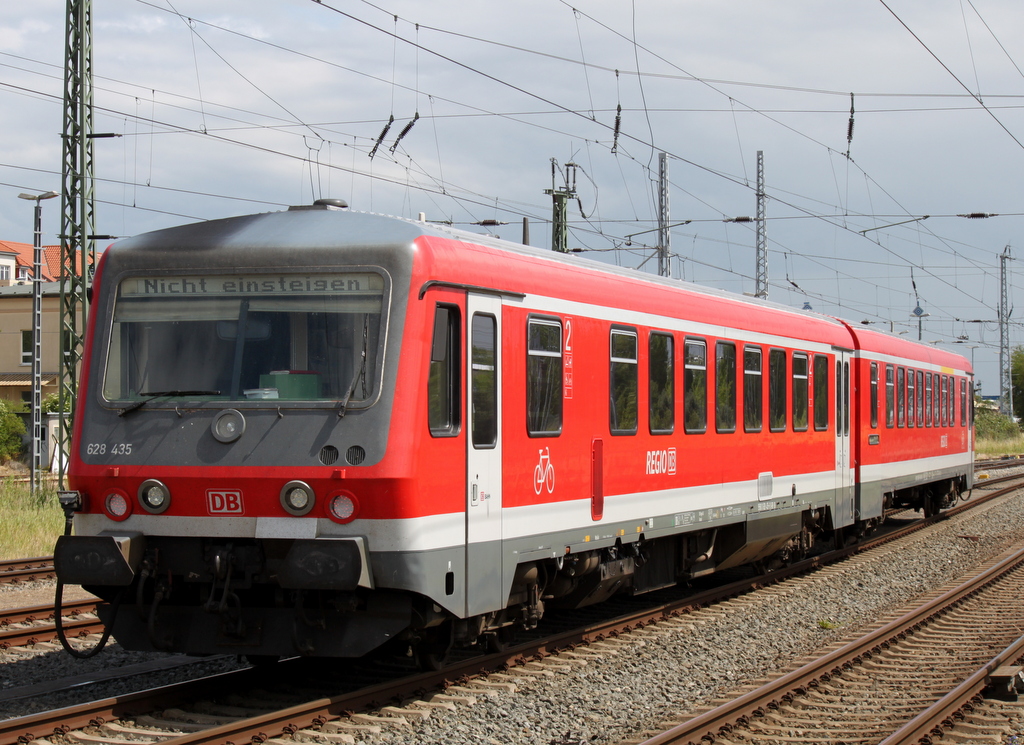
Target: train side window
[[662, 389], [920, 398], [846, 398], [963, 402], [890, 396], [777, 390], [543, 377], [695, 386], [623, 380], [927, 399], [753, 391], [901, 397], [443, 410], [799, 392], [820, 392], [951, 400], [839, 397], [874, 395], [484, 381], [725, 386], [946, 388], [911, 399]]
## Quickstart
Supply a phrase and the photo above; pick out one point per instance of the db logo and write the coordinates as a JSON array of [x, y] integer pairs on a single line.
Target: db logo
[[224, 501]]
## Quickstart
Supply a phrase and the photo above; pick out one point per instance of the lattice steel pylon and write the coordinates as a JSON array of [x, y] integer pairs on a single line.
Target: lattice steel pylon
[[559, 202], [761, 251], [78, 211], [664, 234], [1005, 368]]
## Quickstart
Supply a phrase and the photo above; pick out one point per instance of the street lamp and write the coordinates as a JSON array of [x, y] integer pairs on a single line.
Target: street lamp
[[37, 324]]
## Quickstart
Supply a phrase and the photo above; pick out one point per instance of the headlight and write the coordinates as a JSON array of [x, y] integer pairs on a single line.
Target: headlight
[[297, 497], [342, 507], [154, 496], [117, 505], [228, 425]]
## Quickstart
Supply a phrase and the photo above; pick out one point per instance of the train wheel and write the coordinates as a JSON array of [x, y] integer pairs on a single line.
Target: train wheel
[[434, 649], [500, 639]]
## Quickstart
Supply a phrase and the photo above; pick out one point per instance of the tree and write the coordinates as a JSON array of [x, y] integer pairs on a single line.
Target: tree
[[1017, 381], [11, 430], [51, 404]]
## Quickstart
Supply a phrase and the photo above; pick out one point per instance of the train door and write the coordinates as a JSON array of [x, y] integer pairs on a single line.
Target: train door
[[844, 465], [483, 479]]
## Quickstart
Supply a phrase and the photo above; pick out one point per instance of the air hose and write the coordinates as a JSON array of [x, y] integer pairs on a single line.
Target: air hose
[[58, 602]]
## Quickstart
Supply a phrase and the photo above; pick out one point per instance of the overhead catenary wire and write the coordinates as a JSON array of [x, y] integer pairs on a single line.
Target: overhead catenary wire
[[489, 201]]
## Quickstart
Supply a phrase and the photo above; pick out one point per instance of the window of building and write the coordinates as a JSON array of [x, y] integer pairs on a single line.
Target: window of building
[[821, 407], [752, 389], [543, 377], [5, 271], [725, 386], [26, 347], [662, 393], [800, 408], [695, 386], [623, 413], [443, 411]]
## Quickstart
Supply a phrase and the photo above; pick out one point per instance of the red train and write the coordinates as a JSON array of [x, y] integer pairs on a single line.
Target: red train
[[321, 432]]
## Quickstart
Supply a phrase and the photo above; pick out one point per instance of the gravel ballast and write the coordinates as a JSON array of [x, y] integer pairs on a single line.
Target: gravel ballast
[[653, 676]]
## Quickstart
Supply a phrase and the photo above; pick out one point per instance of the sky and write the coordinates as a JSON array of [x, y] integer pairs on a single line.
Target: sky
[[228, 108]]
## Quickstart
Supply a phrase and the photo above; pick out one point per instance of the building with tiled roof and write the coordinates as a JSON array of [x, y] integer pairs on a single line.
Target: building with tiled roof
[[16, 262]]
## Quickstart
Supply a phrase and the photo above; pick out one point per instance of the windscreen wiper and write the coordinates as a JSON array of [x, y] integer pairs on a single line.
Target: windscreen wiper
[[151, 395], [360, 372]]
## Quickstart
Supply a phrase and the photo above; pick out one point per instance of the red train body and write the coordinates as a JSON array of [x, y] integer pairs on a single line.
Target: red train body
[[322, 432]]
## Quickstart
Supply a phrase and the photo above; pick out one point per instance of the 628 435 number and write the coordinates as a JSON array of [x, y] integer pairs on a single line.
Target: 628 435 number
[[100, 448]]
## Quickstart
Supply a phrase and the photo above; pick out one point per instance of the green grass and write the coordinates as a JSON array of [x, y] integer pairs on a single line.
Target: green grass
[[29, 525], [985, 447]]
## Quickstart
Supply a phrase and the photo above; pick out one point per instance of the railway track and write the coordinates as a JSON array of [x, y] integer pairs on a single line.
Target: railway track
[[236, 718], [20, 627], [264, 706], [26, 570], [915, 677]]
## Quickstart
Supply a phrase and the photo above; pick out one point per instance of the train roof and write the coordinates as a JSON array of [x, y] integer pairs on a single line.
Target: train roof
[[316, 226]]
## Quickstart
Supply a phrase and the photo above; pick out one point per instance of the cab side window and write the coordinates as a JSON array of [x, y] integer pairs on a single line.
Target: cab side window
[[443, 411]]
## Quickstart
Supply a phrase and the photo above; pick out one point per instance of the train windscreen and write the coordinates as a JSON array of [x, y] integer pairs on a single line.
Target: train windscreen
[[291, 337]]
